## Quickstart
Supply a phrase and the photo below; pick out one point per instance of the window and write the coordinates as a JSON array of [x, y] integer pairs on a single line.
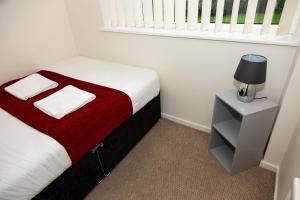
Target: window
[[170, 16], [260, 11]]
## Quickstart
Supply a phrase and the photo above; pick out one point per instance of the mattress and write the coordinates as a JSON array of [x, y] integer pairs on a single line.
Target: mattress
[[140, 84], [30, 160]]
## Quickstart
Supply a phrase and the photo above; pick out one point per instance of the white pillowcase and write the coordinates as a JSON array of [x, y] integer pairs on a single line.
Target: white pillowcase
[[30, 86]]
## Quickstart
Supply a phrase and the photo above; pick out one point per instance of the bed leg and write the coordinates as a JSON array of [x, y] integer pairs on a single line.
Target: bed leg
[[101, 165], [106, 175], [100, 181]]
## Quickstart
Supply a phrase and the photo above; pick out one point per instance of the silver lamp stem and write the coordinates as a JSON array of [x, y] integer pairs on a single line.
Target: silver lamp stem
[[246, 92]]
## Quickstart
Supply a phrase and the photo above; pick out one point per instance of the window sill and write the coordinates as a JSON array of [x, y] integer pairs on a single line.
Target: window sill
[[224, 35]]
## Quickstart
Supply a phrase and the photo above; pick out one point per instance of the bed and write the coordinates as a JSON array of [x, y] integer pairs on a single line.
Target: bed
[[33, 165]]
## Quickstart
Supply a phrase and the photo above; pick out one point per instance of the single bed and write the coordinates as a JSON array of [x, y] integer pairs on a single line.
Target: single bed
[[33, 164]]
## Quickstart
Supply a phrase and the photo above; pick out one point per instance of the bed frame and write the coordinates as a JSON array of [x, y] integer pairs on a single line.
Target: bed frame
[[78, 180]]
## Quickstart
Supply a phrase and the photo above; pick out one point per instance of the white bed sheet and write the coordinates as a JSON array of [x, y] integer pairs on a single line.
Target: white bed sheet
[[30, 160], [140, 84]]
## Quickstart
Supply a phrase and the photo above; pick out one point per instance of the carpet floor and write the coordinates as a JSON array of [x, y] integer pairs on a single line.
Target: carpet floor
[[172, 162]]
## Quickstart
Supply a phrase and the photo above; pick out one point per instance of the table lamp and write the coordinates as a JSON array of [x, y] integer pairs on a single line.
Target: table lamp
[[250, 72]]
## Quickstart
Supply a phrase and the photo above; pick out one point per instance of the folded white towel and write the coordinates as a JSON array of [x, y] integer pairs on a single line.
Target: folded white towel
[[64, 101], [30, 86]]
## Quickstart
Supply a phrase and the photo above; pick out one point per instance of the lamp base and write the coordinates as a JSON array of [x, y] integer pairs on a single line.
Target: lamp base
[[246, 93]]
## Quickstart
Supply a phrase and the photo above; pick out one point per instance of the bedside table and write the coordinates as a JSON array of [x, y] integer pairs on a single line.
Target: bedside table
[[240, 131]]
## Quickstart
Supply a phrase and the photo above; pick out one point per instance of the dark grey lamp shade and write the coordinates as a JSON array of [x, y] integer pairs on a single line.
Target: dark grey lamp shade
[[252, 69]]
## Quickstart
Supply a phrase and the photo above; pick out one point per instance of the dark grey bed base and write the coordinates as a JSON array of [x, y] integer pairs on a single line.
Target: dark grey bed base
[[77, 181]]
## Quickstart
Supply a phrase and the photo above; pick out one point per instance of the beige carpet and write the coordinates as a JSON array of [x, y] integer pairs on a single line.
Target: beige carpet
[[172, 162]]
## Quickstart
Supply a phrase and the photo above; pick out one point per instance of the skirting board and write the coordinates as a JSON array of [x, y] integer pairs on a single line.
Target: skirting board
[[184, 122], [274, 168], [269, 166], [276, 184], [264, 164]]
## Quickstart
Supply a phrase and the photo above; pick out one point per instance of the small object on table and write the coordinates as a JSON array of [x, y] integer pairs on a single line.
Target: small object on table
[[251, 71]]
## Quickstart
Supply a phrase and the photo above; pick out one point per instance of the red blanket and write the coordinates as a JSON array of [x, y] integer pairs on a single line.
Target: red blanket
[[80, 131]]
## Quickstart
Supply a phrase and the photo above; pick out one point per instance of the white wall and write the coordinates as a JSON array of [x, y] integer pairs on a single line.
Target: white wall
[[284, 146], [290, 166], [286, 122], [32, 33], [190, 70]]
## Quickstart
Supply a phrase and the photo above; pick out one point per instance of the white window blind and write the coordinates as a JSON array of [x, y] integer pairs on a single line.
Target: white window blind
[[120, 12], [250, 15], [234, 15], [138, 12], [113, 12], [158, 13], [291, 9], [183, 15], [130, 22], [180, 7], [192, 14], [268, 16], [148, 13], [205, 17], [219, 15], [169, 13]]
